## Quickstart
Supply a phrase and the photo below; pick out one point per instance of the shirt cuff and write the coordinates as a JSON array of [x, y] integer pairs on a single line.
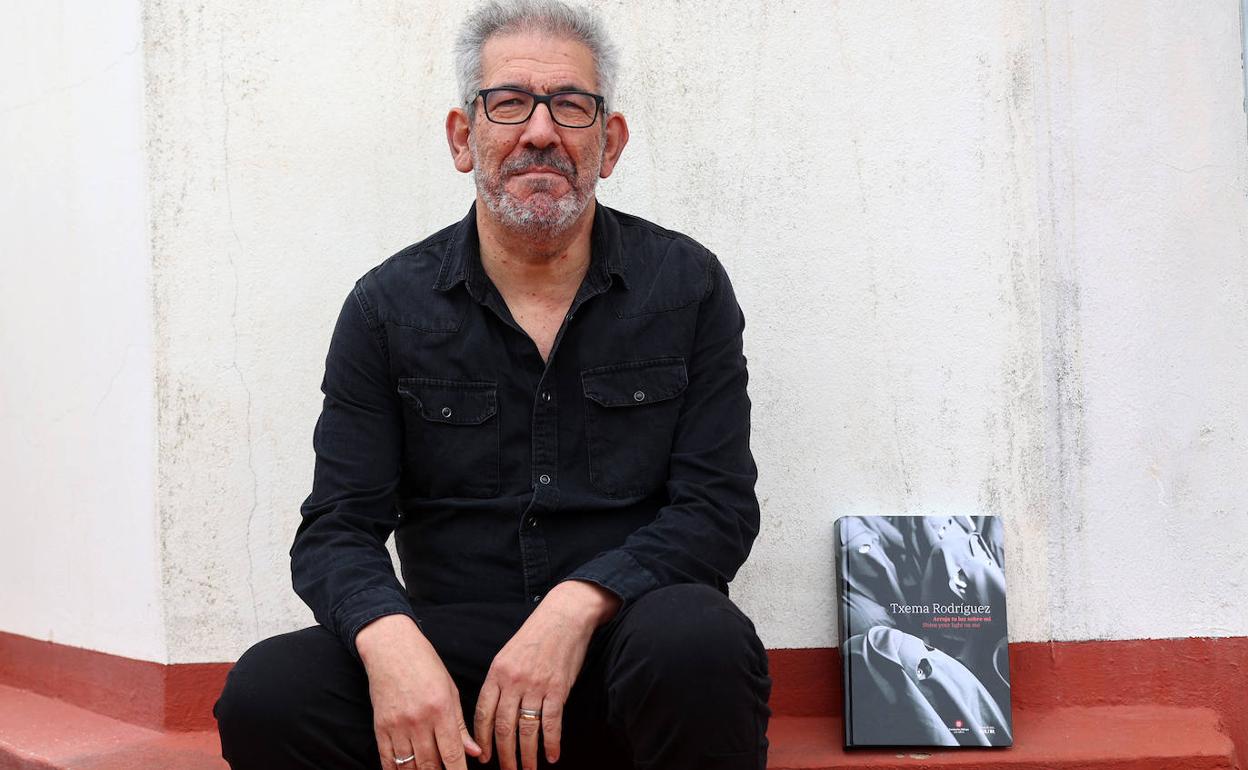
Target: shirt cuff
[[618, 572], [363, 607]]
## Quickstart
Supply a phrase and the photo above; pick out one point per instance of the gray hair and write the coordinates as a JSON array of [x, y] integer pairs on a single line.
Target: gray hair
[[499, 17]]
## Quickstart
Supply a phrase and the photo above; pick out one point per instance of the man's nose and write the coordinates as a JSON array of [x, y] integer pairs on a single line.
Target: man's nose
[[541, 131]]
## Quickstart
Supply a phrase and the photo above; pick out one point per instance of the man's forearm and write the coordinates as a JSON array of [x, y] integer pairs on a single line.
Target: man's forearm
[[382, 634], [587, 603]]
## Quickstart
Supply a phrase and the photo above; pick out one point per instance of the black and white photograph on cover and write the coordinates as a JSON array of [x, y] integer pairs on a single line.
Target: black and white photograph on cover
[[923, 622]]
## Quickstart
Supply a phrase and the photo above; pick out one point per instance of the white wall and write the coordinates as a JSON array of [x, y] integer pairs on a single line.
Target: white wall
[[292, 148], [992, 259], [1149, 236], [79, 554]]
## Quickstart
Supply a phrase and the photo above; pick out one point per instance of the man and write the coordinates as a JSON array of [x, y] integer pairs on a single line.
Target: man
[[546, 402]]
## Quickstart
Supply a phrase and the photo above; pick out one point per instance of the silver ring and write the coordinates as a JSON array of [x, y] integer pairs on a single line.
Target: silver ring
[[403, 760], [530, 713]]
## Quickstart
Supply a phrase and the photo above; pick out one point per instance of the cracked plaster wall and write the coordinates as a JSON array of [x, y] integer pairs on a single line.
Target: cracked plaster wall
[[79, 554], [991, 260]]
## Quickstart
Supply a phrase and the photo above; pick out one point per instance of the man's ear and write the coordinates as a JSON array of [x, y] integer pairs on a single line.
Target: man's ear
[[457, 126], [617, 137]]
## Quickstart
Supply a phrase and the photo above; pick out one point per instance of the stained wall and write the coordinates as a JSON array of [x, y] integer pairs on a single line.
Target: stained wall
[[992, 259]]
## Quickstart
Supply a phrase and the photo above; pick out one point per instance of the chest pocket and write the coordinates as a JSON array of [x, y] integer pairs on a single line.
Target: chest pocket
[[451, 437], [631, 411]]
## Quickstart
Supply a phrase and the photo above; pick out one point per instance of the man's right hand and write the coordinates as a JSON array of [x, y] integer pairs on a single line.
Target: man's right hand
[[416, 707]]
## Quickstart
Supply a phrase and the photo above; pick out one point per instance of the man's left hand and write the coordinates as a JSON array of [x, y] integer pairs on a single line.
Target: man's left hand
[[535, 671]]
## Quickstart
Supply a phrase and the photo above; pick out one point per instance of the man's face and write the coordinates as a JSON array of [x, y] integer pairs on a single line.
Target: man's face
[[537, 177]]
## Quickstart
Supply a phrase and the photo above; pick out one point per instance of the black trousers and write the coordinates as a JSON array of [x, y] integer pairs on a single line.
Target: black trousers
[[677, 681]]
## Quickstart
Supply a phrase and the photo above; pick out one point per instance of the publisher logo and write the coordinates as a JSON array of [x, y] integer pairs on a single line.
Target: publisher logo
[[958, 728], [957, 723]]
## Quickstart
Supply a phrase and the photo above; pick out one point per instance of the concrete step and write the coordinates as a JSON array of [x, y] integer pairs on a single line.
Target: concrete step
[[40, 733], [1070, 738]]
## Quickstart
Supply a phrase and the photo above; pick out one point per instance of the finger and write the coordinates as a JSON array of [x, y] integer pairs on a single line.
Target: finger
[[505, 730], [483, 719], [425, 749], [465, 737], [450, 746], [457, 709], [528, 730], [405, 757], [552, 727], [385, 750]]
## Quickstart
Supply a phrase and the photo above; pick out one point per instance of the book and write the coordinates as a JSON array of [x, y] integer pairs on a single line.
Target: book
[[924, 645]]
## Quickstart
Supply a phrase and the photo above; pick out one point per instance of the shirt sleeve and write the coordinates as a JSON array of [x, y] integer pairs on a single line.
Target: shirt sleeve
[[704, 534], [339, 562]]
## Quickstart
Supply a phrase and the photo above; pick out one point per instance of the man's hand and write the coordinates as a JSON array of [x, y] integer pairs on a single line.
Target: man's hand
[[536, 670], [416, 709]]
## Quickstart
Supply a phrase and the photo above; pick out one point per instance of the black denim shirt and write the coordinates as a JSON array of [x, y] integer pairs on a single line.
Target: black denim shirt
[[623, 461]]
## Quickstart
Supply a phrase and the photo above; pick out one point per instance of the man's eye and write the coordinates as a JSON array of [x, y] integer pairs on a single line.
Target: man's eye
[[508, 102], [571, 104]]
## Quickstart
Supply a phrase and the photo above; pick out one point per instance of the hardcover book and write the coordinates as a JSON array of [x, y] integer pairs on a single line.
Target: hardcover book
[[923, 629]]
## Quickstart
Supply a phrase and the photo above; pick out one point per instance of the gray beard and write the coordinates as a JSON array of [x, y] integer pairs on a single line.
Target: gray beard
[[542, 214]]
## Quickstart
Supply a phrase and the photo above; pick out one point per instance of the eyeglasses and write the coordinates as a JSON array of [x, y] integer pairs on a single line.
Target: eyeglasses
[[570, 109]]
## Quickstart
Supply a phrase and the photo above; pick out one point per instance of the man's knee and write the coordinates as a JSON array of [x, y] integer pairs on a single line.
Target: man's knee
[[692, 634], [255, 697], [687, 681], [298, 700], [277, 684]]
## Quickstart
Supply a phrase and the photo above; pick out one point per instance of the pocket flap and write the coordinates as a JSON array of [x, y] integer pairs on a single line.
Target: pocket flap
[[453, 402], [636, 383]]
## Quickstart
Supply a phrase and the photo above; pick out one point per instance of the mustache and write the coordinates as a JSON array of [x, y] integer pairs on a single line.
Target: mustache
[[530, 158]]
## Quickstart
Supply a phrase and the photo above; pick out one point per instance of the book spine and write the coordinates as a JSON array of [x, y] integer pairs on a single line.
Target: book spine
[[842, 592]]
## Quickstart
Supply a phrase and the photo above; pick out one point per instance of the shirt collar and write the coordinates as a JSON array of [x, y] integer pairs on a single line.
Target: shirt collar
[[461, 262]]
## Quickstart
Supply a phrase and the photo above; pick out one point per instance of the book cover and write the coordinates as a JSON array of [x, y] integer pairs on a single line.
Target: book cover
[[923, 631]]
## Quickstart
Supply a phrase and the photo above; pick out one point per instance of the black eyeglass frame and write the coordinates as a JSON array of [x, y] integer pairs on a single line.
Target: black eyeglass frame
[[600, 105]]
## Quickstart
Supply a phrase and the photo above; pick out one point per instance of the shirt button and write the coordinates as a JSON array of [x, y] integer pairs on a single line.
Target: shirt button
[[537, 599], [446, 411], [544, 478], [533, 521], [546, 396], [639, 396]]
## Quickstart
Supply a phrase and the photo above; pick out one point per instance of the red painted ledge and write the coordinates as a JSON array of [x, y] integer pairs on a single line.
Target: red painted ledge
[[1209, 673], [1065, 738], [1205, 673], [41, 733], [153, 695]]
